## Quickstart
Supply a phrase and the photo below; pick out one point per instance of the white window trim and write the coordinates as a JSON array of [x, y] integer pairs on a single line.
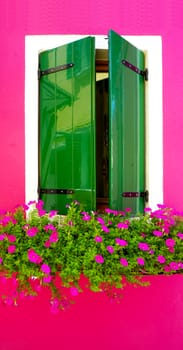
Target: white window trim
[[154, 124]]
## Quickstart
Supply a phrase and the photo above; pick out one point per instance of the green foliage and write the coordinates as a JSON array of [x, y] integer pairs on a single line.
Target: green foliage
[[39, 249]]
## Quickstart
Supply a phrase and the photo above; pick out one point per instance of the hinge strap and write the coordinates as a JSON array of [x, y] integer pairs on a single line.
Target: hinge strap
[[54, 70], [144, 194], [144, 73], [55, 191]]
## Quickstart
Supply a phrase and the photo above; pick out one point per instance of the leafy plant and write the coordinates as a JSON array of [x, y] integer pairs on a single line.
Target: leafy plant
[[44, 250]]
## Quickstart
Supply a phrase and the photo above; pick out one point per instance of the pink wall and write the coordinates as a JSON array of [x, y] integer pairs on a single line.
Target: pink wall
[[150, 318]]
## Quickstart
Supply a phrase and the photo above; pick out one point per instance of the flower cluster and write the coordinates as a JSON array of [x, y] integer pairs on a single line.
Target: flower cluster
[[39, 249]]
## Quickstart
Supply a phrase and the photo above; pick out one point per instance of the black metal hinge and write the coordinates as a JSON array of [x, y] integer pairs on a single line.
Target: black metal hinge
[[144, 194], [55, 191], [54, 70], [144, 73]]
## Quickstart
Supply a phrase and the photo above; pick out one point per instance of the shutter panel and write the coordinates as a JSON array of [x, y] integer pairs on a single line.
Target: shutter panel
[[127, 125], [67, 125]]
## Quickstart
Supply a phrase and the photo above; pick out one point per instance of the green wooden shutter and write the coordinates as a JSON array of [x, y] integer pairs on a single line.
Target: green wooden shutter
[[67, 125], [127, 125]]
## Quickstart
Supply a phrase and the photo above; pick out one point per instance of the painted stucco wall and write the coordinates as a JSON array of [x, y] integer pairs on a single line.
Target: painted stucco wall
[[149, 319]]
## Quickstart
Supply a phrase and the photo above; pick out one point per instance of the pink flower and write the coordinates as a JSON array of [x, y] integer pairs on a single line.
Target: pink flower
[[157, 233], [54, 237], [170, 242], [110, 249], [74, 291], [1, 260], [98, 239], [39, 204], [101, 220], [151, 251], [180, 265], [11, 238], [128, 210], [70, 223], [143, 246], [41, 212], [105, 228], [171, 249], [53, 213], [147, 210], [34, 257], [174, 266], [49, 227], [167, 268], [45, 268], [180, 235], [11, 249], [47, 279], [2, 236], [99, 259], [86, 217], [47, 244], [122, 225], [124, 262], [141, 261], [161, 259], [121, 242], [32, 231]]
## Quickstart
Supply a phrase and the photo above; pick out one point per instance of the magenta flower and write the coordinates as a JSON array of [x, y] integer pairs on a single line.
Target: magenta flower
[[101, 220], [70, 223], [128, 210], [74, 291], [53, 213], [151, 251], [180, 235], [39, 204], [171, 249], [45, 268], [54, 237], [174, 266], [143, 234], [47, 244], [11, 249], [47, 279], [167, 268], [141, 261], [161, 259], [98, 239], [110, 249], [11, 238], [122, 225], [34, 257], [180, 265], [32, 231], [41, 212], [157, 233], [121, 242], [99, 259], [124, 262], [170, 243], [143, 246], [105, 228], [2, 236], [86, 217], [147, 210], [49, 227], [1, 260]]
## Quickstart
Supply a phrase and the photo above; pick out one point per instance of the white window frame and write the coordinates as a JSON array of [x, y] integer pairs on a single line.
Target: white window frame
[[152, 46]]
